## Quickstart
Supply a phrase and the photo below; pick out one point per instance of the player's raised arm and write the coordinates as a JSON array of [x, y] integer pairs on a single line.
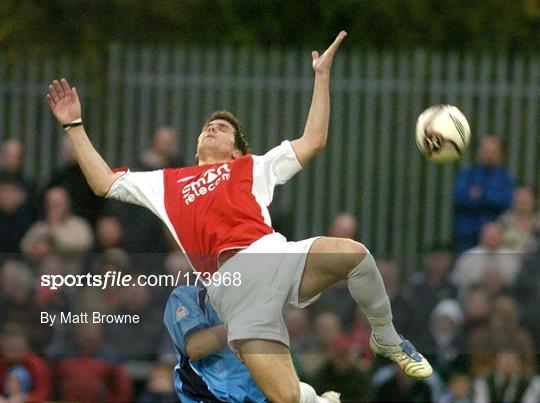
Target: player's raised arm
[[314, 138], [66, 107]]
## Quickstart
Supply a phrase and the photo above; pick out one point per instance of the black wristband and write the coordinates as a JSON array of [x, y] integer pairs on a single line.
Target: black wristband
[[74, 123]]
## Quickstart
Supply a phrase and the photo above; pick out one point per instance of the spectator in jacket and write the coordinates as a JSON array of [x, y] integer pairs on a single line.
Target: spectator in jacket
[[489, 259], [482, 193], [501, 330], [17, 303], [341, 371], [389, 384], [458, 390], [87, 369], [527, 291], [429, 287], [71, 234], [507, 382], [12, 163], [137, 341], [519, 222], [16, 215], [69, 176]]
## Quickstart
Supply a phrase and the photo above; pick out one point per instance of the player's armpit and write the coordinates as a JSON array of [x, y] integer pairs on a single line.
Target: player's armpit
[[113, 178], [205, 342]]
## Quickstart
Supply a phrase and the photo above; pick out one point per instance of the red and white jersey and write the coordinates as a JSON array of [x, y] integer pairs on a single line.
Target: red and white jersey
[[211, 208]]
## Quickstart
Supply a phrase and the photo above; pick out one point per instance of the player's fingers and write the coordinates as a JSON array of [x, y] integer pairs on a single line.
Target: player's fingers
[[333, 47], [65, 85], [58, 89], [50, 102], [53, 94], [314, 55], [74, 94]]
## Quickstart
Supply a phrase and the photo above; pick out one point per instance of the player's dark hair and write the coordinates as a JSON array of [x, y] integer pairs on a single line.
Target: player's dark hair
[[240, 140]]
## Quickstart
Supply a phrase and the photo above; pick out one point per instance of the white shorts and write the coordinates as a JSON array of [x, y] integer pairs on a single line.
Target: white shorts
[[270, 271]]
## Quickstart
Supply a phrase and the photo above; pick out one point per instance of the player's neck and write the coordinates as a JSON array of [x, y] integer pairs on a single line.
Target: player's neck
[[213, 160]]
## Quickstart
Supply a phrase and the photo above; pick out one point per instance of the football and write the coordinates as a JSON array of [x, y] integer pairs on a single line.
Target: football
[[442, 133]]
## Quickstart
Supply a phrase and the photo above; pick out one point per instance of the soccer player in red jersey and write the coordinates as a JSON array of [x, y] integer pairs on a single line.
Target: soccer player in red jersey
[[218, 213]]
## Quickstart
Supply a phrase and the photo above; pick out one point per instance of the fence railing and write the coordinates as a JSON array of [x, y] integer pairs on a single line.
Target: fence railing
[[371, 166]]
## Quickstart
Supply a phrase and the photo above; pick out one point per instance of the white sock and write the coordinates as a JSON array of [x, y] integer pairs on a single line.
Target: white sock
[[308, 394], [367, 288]]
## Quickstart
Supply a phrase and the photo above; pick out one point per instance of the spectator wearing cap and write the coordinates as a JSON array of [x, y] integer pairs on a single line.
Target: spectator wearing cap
[[18, 384], [482, 192], [24, 376], [448, 343]]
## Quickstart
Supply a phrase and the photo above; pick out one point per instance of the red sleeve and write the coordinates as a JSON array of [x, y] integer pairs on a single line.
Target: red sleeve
[[41, 383], [121, 386]]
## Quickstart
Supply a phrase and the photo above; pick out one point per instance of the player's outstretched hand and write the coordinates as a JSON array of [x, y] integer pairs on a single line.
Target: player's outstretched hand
[[323, 63], [64, 102]]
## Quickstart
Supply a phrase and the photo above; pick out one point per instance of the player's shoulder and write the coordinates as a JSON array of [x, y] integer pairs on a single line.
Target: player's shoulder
[[185, 293]]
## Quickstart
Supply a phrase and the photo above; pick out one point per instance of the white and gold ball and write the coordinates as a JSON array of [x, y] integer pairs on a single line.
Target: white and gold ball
[[442, 133]]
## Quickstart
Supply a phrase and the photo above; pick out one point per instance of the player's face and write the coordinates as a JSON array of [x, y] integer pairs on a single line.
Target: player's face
[[217, 138]]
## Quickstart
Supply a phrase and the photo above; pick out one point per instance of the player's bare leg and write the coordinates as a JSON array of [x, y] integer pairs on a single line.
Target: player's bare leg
[[271, 367], [334, 259], [270, 364]]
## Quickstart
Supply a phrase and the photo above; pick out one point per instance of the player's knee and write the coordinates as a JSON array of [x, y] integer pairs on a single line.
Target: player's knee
[[286, 393], [353, 253]]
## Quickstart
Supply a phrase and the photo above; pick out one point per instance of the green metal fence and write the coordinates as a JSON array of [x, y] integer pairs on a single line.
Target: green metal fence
[[371, 166]]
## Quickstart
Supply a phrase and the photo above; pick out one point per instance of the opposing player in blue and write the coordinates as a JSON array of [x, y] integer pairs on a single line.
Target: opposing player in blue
[[207, 370]]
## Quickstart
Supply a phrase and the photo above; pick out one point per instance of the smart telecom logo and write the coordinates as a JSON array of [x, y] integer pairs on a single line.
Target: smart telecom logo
[[206, 183]]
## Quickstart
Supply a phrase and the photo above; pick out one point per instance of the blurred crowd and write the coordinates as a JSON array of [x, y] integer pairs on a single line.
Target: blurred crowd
[[470, 308]]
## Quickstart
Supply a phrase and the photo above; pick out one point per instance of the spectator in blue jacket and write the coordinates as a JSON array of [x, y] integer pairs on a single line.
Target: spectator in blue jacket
[[481, 193]]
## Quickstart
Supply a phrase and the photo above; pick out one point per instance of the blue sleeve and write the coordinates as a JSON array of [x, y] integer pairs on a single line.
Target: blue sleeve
[[183, 315], [499, 196], [462, 186]]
